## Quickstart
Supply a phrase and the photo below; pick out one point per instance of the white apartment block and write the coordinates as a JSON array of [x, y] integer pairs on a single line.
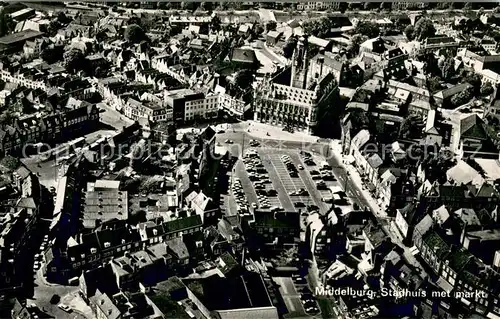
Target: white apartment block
[[490, 76], [21, 80], [318, 5], [203, 108]]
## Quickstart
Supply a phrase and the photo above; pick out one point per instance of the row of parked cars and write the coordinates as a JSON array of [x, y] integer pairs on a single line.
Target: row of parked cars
[[307, 157], [290, 166], [39, 256], [324, 174], [239, 195], [306, 297], [258, 175]]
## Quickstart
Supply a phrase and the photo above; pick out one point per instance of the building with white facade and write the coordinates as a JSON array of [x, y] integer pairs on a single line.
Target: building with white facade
[[189, 105], [318, 5], [490, 76]]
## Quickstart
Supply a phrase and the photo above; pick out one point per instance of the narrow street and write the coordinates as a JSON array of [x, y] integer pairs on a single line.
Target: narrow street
[[69, 295]]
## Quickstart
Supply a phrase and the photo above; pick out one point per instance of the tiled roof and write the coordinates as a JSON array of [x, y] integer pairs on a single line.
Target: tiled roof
[[444, 94], [243, 55], [181, 224], [437, 244], [471, 127]]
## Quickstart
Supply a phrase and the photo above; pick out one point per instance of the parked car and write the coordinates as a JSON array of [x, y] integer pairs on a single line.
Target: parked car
[[303, 192], [64, 307], [312, 208], [254, 143], [55, 299], [272, 192]]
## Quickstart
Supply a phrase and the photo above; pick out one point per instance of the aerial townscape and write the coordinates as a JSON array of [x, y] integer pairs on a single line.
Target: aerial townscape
[[249, 160]]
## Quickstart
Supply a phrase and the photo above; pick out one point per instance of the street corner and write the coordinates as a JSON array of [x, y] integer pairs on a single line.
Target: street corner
[[77, 304]]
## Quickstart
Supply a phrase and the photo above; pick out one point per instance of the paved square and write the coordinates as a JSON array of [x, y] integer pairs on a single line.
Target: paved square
[[282, 182]]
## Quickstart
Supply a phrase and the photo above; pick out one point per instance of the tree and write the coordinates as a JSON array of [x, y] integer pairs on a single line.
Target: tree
[[468, 6], [410, 32], [411, 127], [462, 97], [424, 28], [356, 40], [258, 29], [163, 5], [187, 5], [73, 60], [215, 23], [9, 162], [385, 6], [135, 33], [370, 29], [473, 79], [359, 119], [62, 18], [430, 64], [434, 84], [487, 89], [435, 165], [243, 79], [6, 117], [271, 25], [4, 28], [448, 70], [496, 10], [289, 47], [52, 54]]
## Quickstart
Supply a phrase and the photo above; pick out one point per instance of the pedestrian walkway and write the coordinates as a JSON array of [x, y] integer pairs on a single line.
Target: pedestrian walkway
[[266, 131]]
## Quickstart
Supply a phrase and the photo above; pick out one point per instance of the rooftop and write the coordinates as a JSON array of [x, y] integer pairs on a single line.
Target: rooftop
[[484, 235], [19, 37], [104, 205]]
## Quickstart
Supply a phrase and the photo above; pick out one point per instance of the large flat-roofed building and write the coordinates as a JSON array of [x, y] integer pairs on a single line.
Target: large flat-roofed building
[[293, 99], [104, 205], [23, 14], [16, 41]]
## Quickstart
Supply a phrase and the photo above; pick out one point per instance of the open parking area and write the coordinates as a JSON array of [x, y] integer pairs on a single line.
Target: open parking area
[[278, 179]]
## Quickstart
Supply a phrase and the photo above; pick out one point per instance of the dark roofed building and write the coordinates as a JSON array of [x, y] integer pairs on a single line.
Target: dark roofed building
[[433, 250], [246, 293], [285, 226], [444, 96], [243, 56], [15, 41]]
